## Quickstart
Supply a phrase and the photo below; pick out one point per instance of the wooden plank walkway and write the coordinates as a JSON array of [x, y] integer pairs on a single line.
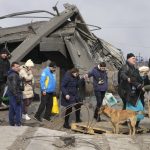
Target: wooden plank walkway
[[103, 127]]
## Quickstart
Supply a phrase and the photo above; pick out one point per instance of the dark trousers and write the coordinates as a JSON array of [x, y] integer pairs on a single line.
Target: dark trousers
[[15, 111], [77, 112], [99, 98], [124, 103], [2, 87], [46, 104], [142, 98], [26, 104]]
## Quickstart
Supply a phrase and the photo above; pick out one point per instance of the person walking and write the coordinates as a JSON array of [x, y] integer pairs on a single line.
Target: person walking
[[100, 84], [70, 95], [130, 85], [15, 88], [27, 75], [4, 67], [48, 87], [130, 81]]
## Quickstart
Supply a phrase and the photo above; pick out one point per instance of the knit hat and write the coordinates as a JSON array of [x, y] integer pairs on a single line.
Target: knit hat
[[29, 63], [4, 51], [130, 55], [52, 64]]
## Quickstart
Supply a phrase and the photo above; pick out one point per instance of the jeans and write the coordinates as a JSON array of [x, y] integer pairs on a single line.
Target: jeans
[[15, 111], [99, 98]]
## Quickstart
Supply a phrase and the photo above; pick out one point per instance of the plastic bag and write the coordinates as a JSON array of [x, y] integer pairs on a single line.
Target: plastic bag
[[5, 91], [138, 108], [55, 108], [109, 99]]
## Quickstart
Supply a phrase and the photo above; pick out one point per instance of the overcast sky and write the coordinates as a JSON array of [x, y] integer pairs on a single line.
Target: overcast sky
[[125, 23]]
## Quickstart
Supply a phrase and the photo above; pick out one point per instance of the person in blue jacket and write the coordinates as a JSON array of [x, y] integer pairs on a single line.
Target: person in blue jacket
[[70, 95], [100, 84], [48, 87]]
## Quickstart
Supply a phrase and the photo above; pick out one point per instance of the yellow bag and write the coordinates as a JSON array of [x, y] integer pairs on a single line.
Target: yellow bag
[[55, 108]]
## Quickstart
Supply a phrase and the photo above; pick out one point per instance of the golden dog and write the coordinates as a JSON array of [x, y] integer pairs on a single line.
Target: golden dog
[[120, 116]]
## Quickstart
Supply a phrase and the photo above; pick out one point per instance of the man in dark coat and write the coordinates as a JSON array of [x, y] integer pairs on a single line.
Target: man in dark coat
[[4, 67], [100, 84], [70, 94], [15, 88], [130, 81]]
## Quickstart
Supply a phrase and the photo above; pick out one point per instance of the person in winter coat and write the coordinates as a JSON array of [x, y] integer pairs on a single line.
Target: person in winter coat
[[130, 84], [26, 74], [144, 70], [4, 67], [100, 84], [48, 87], [15, 88], [70, 95]]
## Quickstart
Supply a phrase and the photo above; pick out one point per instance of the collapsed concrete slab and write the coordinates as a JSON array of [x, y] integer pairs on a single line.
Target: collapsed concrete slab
[[65, 39], [65, 35], [28, 138]]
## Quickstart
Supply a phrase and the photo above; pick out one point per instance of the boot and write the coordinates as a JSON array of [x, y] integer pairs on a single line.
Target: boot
[[98, 118], [37, 118], [95, 114], [66, 123], [78, 116]]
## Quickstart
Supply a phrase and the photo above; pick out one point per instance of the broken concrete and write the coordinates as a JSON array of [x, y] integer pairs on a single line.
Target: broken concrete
[[28, 138]]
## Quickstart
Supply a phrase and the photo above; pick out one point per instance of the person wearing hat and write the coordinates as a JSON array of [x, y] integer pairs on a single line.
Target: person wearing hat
[[48, 87], [129, 78], [4, 67], [130, 82], [28, 94]]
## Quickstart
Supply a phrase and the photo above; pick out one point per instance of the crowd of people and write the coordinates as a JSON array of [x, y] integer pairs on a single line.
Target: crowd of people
[[20, 83]]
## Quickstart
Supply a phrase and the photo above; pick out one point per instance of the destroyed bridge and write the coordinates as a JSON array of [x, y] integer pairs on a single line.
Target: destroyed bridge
[[65, 39]]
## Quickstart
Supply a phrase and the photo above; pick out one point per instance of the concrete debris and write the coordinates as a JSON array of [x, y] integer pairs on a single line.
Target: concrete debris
[[65, 34]]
